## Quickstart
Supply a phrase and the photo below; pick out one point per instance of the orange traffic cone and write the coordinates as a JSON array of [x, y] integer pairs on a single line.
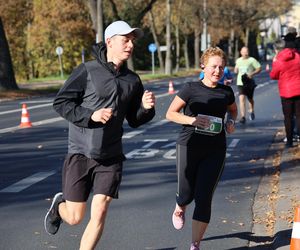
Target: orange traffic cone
[[25, 122], [171, 88], [267, 67], [295, 240]]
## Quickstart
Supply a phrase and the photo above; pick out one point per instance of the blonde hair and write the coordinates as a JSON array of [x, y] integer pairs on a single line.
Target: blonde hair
[[212, 51]]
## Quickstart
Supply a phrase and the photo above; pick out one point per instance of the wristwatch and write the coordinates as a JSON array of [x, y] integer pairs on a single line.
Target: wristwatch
[[231, 120]]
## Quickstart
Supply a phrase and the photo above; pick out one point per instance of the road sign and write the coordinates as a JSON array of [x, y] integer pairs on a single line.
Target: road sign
[[59, 50], [163, 48], [152, 47]]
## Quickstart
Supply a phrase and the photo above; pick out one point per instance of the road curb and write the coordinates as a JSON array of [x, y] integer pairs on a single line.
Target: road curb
[[264, 206], [288, 197]]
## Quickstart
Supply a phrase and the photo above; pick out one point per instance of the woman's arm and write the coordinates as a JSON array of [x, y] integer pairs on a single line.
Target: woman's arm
[[232, 113], [174, 114]]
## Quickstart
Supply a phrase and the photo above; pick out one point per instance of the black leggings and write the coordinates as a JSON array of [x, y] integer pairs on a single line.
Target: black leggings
[[198, 171], [290, 109]]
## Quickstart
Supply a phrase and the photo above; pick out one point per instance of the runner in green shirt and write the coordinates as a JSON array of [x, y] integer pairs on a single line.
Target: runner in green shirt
[[247, 66]]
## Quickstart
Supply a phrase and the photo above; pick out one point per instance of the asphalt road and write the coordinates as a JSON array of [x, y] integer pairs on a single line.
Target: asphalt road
[[30, 170]]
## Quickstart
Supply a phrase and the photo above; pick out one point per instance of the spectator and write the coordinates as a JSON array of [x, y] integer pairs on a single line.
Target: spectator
[[290, 37], [285, 69]]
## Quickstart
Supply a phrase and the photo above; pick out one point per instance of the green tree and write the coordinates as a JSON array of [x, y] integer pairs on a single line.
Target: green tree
[[59, 23]]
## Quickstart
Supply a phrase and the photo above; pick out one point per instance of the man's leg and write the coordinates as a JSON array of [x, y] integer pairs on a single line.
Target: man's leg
[[72, 212], [251, 105], [94, 229], [242, 108], [250, 97]]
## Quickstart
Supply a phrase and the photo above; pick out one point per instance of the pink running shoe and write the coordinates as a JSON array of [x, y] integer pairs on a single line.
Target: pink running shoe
[[194, 247], [178, 219]]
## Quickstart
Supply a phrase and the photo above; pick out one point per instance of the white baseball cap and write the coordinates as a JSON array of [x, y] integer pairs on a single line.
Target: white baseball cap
[[121, 28]]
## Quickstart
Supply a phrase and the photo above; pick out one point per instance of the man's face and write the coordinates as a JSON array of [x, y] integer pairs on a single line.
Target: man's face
[[121, 46], [244, 52]]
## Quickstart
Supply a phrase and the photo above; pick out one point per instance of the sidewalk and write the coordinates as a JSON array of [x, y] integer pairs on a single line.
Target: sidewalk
[[277, 196], [41, 84], [288, 197]]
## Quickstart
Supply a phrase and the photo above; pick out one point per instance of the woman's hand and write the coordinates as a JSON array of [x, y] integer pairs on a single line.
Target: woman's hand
[[229, 126], [201, 121]]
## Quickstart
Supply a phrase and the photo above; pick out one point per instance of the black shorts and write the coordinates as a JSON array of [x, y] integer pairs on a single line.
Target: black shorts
[[81, 175], [247, 91]]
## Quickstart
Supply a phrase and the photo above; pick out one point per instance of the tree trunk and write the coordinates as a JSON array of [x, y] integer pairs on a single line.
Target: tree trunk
[[92, 5], [96, 13], [100, 32], [177, 49], [186, 53], [236, 49], [197, 48], [247, 37], [231, 47], [253, 51], [154, 34], [168, 39], [7, 76]]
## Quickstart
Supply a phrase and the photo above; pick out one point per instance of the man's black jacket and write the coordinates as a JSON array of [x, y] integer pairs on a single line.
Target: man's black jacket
[[94, 85]]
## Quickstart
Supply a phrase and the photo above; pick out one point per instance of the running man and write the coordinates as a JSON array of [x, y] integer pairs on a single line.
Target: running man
[[96, 99]]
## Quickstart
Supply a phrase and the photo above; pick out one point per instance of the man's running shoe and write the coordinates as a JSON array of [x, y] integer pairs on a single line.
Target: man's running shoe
[[194, 247], [52, 219], [251, 116], [178, 219], [296, 138], [243, 120]]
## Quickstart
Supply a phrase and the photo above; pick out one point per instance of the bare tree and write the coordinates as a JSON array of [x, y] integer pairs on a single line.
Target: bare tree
[[177, 22], [186, 53], [7, 76], [96, 13], [157, 43], [168, 67], [134, 11]]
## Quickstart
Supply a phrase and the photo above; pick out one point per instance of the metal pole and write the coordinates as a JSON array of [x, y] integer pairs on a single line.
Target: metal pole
[[82, 55], [152, 53], [61, 67]]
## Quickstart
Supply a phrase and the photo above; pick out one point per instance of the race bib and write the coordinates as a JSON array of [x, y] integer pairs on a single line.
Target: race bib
[[214, 128]]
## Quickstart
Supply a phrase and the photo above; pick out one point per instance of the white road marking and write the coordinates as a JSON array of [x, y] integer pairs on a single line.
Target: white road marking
[[43, 122], [233, 143], [132, 134], [27, 182], [28, 108], [137, 132]]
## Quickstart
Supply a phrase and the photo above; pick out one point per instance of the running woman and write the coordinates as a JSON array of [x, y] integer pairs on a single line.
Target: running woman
[[201, 145]]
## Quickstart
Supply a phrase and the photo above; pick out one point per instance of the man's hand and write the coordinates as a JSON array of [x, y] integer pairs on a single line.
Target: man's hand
[[228, 81], [148, 100], [102, 115]]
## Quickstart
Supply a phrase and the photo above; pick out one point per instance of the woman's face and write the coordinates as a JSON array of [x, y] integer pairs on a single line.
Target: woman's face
[[214, 69]]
